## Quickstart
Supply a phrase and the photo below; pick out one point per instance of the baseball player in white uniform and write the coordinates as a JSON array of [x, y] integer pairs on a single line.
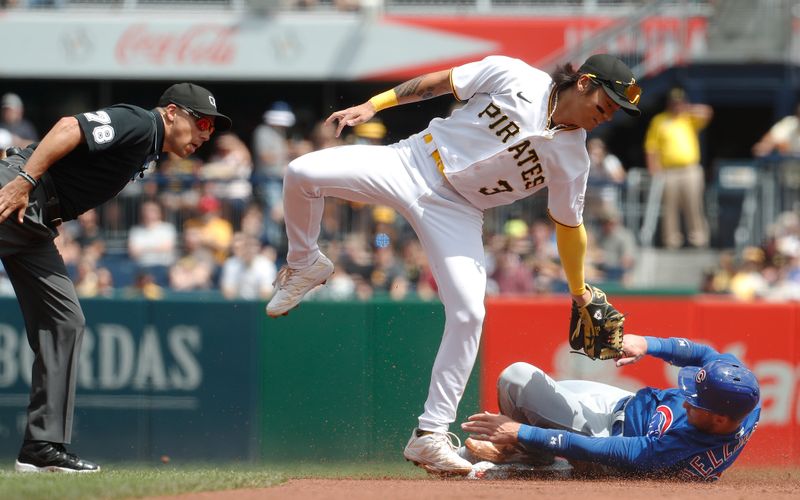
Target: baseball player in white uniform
[[520, 130]]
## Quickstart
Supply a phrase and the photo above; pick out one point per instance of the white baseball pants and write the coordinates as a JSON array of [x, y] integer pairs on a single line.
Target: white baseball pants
[[404, 177]]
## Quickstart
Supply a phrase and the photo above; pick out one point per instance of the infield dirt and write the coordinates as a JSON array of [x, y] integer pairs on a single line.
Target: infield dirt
[[764, 484]]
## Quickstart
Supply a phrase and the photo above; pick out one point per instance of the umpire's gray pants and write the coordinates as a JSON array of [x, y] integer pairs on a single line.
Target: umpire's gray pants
[[54, 321]]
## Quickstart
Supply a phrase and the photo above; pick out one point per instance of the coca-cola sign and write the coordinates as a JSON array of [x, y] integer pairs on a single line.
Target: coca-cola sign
[[196, 45]]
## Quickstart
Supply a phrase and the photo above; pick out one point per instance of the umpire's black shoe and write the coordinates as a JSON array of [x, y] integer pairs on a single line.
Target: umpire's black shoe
[[43, 456]]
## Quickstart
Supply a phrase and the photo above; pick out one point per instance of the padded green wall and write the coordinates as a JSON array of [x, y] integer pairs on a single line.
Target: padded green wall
[[346, 381], [331, 381]]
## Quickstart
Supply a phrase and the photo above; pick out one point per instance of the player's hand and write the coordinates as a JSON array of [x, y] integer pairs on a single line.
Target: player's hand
[[498, 429], [14, 199], [634, 348], [351, 116]]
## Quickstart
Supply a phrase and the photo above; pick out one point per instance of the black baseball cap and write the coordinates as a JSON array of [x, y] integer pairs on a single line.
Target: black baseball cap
[[617, 80], [196, 98]]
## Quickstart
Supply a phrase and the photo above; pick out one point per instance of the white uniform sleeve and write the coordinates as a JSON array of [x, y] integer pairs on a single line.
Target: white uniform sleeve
[[487, 76], [568, 172], [565, 201]]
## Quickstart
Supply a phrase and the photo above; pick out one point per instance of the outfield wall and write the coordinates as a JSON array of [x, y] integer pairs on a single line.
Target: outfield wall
[[763, 335], [216, 380], [174, 378]]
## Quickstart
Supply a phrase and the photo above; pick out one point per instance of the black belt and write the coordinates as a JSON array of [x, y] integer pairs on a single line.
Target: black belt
[[52, 205]]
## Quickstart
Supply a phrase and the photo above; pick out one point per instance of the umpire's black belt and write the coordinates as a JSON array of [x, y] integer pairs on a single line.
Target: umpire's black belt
[[16, 158]]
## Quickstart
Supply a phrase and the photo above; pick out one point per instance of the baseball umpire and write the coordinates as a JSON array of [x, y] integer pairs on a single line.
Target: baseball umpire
[[83, 161], [693, 432]]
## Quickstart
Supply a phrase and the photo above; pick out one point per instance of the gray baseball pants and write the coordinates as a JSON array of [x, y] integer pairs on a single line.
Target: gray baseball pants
[[529, 395], [54, 321]]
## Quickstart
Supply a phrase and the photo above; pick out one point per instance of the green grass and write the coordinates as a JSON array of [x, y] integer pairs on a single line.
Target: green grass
[[136, 481], [128, 481]]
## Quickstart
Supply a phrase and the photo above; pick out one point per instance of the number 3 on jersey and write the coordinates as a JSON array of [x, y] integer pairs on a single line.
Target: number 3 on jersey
[[502, 187], [103, 133]]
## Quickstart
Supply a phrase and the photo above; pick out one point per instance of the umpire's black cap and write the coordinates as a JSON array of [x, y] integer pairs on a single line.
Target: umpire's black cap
[[196, 98], [617, 80]]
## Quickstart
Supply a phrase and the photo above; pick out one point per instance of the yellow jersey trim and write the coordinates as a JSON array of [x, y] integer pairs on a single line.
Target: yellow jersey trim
[[453, 87]]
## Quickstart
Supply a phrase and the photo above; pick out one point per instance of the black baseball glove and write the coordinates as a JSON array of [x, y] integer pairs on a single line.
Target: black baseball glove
[[596, 328]]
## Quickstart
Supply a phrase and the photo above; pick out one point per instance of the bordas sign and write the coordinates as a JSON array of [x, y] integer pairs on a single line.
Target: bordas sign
[[155, 378]]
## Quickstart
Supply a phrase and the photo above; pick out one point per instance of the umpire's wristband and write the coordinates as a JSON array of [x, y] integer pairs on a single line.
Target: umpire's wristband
[[25, 175]]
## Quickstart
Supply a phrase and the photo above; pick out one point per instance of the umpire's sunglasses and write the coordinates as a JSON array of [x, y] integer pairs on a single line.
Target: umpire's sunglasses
[[633, 92], [204, 123]]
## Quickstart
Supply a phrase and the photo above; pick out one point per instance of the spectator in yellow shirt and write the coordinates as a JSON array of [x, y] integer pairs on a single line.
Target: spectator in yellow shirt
[[216, 233], [672, 150]]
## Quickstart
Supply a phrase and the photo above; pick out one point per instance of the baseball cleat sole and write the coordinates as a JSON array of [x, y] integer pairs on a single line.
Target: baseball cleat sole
[[33, 469], [286, 313], [438, 472]]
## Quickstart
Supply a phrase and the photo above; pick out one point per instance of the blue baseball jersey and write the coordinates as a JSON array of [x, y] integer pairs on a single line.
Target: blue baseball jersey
[[656, 438]]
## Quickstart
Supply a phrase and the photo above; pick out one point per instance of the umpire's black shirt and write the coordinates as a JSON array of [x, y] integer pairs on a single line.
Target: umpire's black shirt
[[120, 141]]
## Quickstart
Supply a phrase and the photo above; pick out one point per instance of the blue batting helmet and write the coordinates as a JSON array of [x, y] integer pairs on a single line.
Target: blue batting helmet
[[721, 386]]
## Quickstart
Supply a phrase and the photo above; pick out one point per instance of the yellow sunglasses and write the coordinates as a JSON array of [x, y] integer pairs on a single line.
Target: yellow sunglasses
[[633, 92]]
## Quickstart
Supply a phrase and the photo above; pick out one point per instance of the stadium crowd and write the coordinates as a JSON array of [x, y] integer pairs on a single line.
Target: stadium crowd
[[215, 226]]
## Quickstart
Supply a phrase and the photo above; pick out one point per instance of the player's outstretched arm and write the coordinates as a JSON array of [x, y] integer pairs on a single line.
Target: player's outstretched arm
[[494, 427], [417, 89], [634, 348]]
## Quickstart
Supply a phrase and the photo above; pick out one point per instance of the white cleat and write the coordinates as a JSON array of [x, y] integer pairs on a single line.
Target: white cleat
[[436, 453], [294, 284]]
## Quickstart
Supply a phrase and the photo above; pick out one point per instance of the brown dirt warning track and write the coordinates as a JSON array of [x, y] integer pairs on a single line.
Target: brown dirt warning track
[[745, 483]]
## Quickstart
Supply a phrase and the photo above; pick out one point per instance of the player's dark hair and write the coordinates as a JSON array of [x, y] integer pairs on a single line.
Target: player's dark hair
[[565, 76]]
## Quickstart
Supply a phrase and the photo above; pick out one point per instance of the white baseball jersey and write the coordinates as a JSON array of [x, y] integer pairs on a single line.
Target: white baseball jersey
[[498, 148]]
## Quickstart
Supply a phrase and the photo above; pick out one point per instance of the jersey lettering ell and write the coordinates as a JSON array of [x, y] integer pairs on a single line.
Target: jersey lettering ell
[[659, 416], [497, 148]]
